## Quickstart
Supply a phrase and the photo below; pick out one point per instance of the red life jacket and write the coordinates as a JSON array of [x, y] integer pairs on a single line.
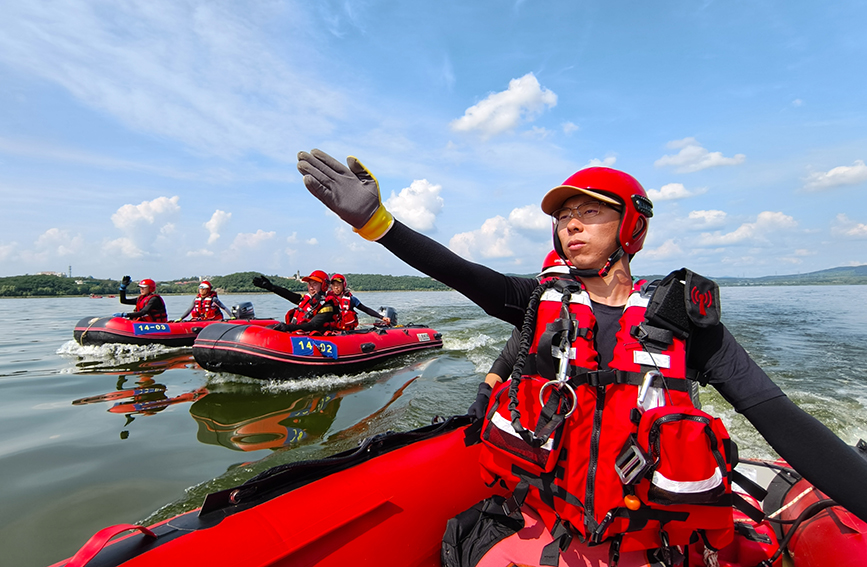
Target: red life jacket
[[158, 317], [308, 308], [205, 308], [583, 470], [348, 318]]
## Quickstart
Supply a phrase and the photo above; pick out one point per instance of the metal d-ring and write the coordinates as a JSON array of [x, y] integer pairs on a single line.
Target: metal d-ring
[[560, 384]]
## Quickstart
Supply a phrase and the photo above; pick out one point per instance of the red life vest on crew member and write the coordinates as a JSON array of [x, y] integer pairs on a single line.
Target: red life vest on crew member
[[308, 308], [205, 308], [159, 316], [348, 319], [674, 460]]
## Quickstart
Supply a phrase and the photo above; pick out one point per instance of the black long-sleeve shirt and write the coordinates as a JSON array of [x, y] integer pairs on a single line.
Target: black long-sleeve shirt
[[804, 442], [326, 314]]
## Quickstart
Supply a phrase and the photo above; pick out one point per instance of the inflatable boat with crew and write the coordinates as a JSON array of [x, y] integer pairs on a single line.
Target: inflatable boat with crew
[[106, 330], [260, 352]]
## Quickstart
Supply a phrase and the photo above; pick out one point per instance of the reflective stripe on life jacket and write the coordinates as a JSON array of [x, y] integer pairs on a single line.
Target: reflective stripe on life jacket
[[567, 462], [157, 317], [205, 308], [348, 319]]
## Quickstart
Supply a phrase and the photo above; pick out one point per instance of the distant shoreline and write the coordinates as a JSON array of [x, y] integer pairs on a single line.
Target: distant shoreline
[[241, 283]]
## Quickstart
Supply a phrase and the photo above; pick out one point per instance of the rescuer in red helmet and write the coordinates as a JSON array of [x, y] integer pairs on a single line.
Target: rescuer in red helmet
[[148, 305], [349, 303], [601, 358], [317, 309], [206, 305]]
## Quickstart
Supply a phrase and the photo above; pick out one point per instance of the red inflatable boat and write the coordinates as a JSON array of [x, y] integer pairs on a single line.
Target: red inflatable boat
[[259, 352], [103, 330], [387, 503]]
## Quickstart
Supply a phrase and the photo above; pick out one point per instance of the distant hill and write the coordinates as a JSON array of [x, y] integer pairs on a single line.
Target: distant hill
[[242, 282]]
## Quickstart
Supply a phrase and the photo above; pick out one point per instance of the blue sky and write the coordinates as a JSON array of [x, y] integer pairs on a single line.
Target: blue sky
[[159, 138]]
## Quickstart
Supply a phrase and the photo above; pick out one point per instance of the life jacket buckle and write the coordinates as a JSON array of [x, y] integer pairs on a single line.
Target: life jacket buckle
[[632, 463], [561, 385]]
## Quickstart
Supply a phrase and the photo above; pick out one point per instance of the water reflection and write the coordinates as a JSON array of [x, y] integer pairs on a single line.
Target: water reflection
[[248, 420]]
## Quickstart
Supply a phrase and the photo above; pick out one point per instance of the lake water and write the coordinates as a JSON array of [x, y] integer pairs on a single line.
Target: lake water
[[94, 436]]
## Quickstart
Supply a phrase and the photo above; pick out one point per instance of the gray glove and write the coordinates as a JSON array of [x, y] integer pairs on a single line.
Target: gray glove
[[351, 192]]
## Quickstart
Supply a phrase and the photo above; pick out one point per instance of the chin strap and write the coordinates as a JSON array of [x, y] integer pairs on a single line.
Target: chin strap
[[590, 273]]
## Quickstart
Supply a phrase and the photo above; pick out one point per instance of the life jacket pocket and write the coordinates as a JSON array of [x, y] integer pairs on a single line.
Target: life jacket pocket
[[534, 441], [685, 450]]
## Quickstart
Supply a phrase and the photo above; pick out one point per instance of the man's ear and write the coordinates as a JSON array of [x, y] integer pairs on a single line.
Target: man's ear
[[640, 227]]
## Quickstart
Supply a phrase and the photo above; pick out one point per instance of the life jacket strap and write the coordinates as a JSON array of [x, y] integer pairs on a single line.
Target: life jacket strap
[[609, 377]]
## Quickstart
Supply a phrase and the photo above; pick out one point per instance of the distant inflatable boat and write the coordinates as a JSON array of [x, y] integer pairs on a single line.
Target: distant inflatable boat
[[259, 352], [105, 330], [387, 503]]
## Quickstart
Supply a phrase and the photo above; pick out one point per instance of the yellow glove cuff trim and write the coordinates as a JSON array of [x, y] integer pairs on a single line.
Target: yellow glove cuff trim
[[377, 226]]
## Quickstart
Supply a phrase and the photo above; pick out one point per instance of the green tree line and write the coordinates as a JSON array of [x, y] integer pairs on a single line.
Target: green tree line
[[241, 282]]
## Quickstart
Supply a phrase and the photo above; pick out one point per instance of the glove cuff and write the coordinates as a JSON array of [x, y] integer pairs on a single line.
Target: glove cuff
[[377, 226]]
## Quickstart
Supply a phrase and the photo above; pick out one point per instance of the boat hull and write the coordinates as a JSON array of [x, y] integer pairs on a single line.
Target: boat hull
[[264, 353], [108, 330], [385, 503]]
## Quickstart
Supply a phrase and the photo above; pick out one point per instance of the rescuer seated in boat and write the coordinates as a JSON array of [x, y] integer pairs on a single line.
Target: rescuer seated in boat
[[148, 305], [349, 303], [608, 354], [317, 309], [206, 305]]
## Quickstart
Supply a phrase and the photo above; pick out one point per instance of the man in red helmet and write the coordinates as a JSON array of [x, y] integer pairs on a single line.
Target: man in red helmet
[[148, 305], [317, 309], [582, 343], [206, 305]]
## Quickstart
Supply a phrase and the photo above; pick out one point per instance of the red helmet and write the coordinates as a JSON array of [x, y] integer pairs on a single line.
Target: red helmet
[[554, 266], [316, 276], [149, 283], [205, 284], [340, 277], [609, 186]]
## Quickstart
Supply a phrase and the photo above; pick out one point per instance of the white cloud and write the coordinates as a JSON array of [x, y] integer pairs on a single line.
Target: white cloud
[[417, 205], [673, 191], [252, 240], [668, 249], [766, 222], [607, 162], [204, 74], [843, 175], [59, 242], [530, 217], [129, 216], [569, 127], [707, 219], [6, 250], [312, 241], [492, 240], [202, 252], [217, 222], [693, 157], [523, 101], [122, 247], [845, 226]]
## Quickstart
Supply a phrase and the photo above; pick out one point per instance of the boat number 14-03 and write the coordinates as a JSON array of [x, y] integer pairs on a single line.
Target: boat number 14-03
[[303, 346], [148, 328]]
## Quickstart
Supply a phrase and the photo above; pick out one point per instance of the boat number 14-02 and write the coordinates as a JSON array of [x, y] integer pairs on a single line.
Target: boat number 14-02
[[304, 346]]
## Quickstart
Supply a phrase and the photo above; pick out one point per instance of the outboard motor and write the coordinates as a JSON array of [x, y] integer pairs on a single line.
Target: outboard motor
[[389, 312], [243, 311]]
